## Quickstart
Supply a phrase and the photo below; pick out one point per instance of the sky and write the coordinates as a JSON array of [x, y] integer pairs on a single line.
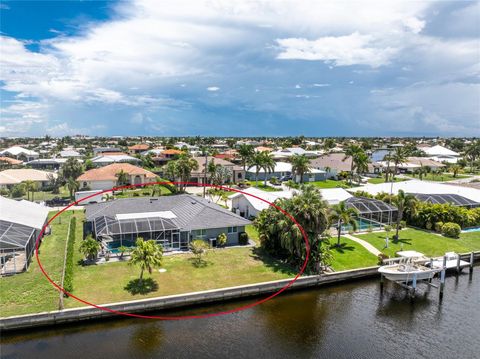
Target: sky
[[240, 68]]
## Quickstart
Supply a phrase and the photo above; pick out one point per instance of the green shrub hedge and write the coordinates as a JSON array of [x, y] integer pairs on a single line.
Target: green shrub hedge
[[68, 278], [243, 238], [452, 230]]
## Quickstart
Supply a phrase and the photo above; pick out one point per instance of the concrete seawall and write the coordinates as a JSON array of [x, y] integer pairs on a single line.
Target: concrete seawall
[[177, 301]]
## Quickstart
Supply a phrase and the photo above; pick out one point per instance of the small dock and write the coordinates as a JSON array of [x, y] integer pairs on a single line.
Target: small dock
[[439, 265]]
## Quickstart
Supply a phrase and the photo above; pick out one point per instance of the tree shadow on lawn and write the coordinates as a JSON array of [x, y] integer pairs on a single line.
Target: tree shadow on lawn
[[145, 286], [202, 263], [343, 247], [271, 262]]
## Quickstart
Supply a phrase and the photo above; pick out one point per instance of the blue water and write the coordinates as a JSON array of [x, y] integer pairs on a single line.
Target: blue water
[[474, 229], [362, 225]]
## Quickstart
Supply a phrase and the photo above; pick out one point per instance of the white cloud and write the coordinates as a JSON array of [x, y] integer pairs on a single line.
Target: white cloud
[[353, 49], [213, 88], [321, 85]]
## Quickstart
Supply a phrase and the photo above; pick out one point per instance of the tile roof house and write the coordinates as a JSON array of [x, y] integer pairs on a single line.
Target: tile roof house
[[334, 163], [284, 169], [172, 221], [11, 177], [106, 177], [237, 172], [138, 148]]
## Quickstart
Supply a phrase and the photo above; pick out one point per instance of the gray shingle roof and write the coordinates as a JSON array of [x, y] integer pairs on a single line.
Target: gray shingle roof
[[192, 212]]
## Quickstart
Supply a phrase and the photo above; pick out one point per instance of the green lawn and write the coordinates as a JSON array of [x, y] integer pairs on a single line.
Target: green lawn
[[260, 185], [46, 195], [329, 184], [140, 192], [252, 233], [440, 177], [30, 291], [378, 180], [428, 243], [351, 255]]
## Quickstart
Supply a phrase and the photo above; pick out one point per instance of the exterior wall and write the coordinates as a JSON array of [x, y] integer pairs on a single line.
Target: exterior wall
[[262, 175], [232, 238], [311, 177], [100, 185], [243, 207]]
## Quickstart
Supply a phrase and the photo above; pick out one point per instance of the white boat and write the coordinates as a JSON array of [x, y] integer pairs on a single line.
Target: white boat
[[406, 270], [451, 262]]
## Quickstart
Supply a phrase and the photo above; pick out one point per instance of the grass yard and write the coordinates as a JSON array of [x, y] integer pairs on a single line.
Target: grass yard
[[252, 233], [140, 192], [105, 283], [351, 255], [440, 177], [30, 291], [378, 180], [329, 183], [260, 185], [428, 243]]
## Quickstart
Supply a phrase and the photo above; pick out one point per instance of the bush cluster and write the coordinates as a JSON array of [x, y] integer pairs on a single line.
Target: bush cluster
[[450, 229], [68, 279], [243, 238], [428, 215]]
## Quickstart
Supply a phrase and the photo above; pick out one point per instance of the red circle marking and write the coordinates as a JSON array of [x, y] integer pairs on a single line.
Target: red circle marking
[[234, 310]]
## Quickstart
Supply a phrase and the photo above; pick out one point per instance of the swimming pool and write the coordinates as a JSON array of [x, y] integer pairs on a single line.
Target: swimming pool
[[473, 229], [362, 225]]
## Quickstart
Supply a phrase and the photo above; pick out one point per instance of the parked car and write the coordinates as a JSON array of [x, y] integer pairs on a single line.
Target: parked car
[[286, 178], [57, 202]]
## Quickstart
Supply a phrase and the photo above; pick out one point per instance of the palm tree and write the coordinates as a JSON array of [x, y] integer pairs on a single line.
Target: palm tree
[[361, 160], [147, 255], [300, 166], [256, 161], [122, 250], [72, 186], [72, 168], [342, 214], [268, 164], [184, 167], [388, 159], [199, 247], [122, 178], [89, 248], [403, 201], [455, 170], [30, 186], [245, 152], [399, 156], [422, 171], [352, 151]]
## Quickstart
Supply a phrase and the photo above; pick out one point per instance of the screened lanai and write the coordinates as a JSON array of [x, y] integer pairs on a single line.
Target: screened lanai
[[124, 229], [373, 209], [453, 199], [17, 243]]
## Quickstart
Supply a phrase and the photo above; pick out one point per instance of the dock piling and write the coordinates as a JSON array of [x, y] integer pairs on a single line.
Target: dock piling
[[471, 262], [442, 276], [458, 265]]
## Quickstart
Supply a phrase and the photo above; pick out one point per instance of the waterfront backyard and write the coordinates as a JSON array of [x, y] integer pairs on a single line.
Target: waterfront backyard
[[30, 292]]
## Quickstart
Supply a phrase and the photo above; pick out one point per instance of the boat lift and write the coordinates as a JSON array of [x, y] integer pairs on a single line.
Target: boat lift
[[450, 261]]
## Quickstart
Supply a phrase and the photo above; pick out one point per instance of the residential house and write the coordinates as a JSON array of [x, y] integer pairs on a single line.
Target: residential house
[[284, 169], [172, 221], [441, 154], [334, 163], [11, 177], [20, 153], [249, 203], [197, 176], [138, 148], [104, 178], [114, 157]]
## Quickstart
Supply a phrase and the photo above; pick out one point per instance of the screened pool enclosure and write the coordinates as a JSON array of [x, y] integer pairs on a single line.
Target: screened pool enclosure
[[372, 213], [123, 230], [453, 199], [17, 243]]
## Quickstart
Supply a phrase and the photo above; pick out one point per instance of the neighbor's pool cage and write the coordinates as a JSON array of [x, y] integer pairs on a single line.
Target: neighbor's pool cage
[[373, 210], [124, 232], [17, 243], [453, 199]]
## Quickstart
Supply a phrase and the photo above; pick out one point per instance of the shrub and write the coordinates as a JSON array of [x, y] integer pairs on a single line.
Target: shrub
[[350, 231], [438, 227], [452, 230], [243, 238], [136, 194], [221, 240], [18, 190], [382, 257], [273, 180], [146, 193], [68, 277], [403, 224], [370, 229], [387, 228], [428, 225]]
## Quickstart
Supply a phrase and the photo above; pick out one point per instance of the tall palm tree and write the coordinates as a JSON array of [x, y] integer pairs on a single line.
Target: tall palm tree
[[256, 161], [122, 178], [352, 151], [342, 214], [388, 159], [456, 169], [245, 152], [147, 255], [268, 164], [361, 160], [403, 202], [184, 167], [399, 156], [300, 166], [30, 187], [72, 186]]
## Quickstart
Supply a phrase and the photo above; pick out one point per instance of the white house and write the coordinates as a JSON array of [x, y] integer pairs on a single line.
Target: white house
[[284, 169], [20, 153], [249, 206], [441, 154]]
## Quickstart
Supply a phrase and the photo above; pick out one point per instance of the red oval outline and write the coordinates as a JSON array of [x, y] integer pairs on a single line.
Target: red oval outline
[[182, 317]]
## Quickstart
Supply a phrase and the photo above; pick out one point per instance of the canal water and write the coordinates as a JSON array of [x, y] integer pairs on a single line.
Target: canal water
[[353, 320]]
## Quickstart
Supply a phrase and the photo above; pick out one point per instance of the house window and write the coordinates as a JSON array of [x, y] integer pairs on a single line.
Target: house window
[[232, 230], [200, 233]]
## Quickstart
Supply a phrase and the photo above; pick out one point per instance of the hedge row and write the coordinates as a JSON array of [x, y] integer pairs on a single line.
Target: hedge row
[[428, 214], [68, 279]]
